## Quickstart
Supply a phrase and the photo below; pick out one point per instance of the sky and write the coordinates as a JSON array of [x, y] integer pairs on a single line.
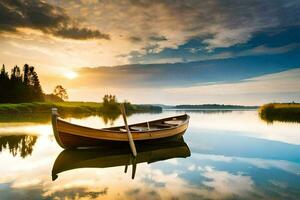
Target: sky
[[158, 51]]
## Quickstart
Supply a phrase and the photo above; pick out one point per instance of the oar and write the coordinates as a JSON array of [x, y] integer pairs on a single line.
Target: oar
[[131, 142], [133, 168]]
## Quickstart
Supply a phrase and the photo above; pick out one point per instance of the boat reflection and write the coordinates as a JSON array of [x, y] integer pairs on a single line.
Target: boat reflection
[[112, 156], [18, 144]]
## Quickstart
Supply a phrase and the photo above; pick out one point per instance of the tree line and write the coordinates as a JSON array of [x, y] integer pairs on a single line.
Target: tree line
[[20, 86]]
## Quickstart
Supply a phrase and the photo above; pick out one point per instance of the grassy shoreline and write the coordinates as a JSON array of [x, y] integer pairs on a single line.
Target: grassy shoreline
[[68, 107], [284, 112]]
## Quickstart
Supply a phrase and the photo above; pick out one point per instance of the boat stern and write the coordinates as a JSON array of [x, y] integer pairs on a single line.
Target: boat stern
[[54, 116]]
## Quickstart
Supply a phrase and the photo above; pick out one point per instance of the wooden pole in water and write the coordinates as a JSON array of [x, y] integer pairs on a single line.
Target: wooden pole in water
[[131, 142], [133, 168]]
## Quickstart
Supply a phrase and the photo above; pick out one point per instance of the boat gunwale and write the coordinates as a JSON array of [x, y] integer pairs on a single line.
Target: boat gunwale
[[144, 131]]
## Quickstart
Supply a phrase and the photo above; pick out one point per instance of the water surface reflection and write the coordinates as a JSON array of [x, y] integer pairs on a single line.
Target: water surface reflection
[[21, 145], [112, 156], [234, 155]]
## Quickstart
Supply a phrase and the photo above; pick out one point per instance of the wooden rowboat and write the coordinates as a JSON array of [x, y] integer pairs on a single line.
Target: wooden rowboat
[[109, 156], [70, 135]]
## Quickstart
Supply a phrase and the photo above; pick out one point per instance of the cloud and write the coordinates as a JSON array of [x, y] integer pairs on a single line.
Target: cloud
[[220, 24], [36, 14], [173, 23], [157, 38], [259, 86], [81, 33], [149, 27], [135, 39], [8, 191], [182, 74], [263, 49], [77, 192], [277, 87]]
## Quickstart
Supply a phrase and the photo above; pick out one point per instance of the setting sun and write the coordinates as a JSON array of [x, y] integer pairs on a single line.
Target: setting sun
[[71, 75]]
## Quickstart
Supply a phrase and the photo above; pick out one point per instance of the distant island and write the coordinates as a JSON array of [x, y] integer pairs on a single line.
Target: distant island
[[213, 106]]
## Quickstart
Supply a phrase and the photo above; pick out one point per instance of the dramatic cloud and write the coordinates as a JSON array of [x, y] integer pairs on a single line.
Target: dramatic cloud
[[220, 23], [195, 39], [184, 74], [139, 29], [280, 87], [36, 14], [162, 24]]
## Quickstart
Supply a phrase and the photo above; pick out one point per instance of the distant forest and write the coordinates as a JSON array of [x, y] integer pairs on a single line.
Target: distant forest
[[20, 87], [214, 106]]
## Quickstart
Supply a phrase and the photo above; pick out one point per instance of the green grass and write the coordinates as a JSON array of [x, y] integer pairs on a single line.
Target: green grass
[[78, 104], [46, 107], [285, 112], [70, 108], [78, 107]]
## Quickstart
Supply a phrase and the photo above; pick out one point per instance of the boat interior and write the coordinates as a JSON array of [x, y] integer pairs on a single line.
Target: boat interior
[[153, 125]]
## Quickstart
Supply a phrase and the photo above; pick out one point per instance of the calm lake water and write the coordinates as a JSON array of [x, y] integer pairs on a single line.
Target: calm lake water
[[229, 155]]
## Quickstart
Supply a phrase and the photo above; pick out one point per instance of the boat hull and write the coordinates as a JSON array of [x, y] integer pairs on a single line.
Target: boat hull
[[73, 136], [75, 141]]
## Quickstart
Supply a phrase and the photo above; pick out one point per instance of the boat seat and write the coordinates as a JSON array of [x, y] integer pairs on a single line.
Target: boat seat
[[161, 124], [135, 128], [139, 128], [173, 122], [123, 130]]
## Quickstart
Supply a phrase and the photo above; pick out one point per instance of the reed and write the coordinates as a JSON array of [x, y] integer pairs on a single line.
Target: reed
[[284, 112]]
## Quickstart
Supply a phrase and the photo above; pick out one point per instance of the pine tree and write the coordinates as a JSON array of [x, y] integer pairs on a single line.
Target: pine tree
[[4, 85], [37, 93], [19, 88], [16, 73], [3, 73], [26, 74], [15, 86]]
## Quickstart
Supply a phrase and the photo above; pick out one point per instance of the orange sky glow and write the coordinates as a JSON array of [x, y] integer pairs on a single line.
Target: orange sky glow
[[76, 38]]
